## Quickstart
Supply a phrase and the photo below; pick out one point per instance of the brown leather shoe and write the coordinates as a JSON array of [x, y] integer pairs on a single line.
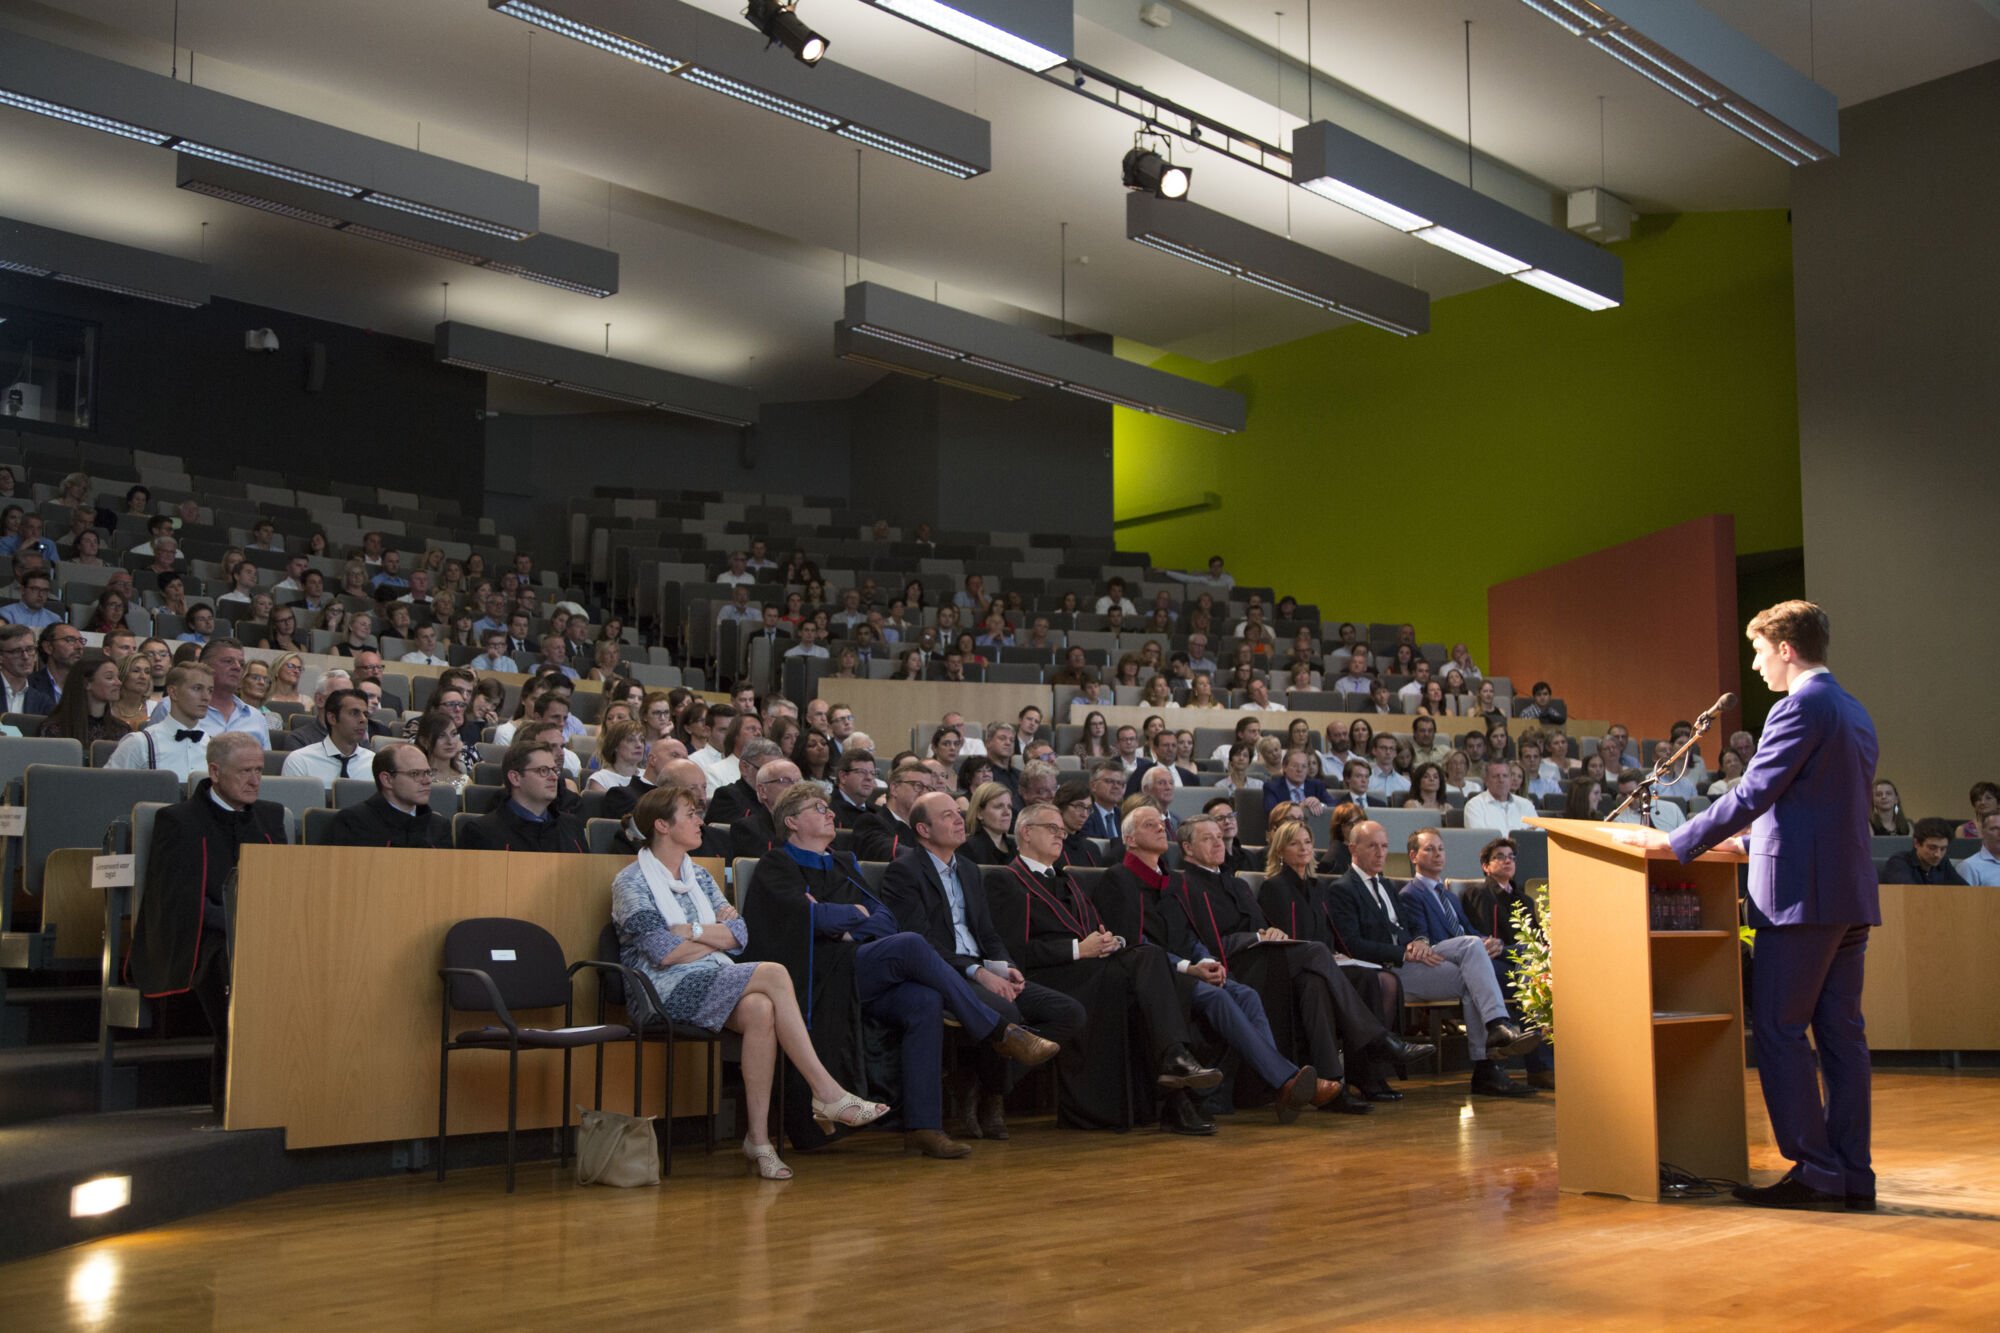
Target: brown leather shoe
[[1328, 1089], [1296, 1094], [1017, 1043], [933, 1143], [1545, 1079], [993, 1116]]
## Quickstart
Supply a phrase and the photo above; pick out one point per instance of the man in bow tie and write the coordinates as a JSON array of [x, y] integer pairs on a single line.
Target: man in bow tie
[[178, 742]]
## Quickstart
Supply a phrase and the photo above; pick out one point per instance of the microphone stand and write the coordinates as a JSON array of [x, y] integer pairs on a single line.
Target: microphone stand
[[1643, 793]]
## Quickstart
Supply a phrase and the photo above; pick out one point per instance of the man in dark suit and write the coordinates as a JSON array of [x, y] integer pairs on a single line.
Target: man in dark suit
[[180, 936], [1107, 791], [1924, 861], [1813, 895], [752, 833], [938, 893], [853, 789], [399, 813], [735, 799], [1309, 795], [1372, 929], [528, 820], [1166, 753], [884, 833]]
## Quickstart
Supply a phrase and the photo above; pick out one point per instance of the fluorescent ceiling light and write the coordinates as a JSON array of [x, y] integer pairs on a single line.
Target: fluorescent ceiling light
[[1034, 34], [1348, 169], [44, 252], [497, 353], [99, 94], [931, 340], [542, 258], [729, 58], [1233, 247], [1709, 65]]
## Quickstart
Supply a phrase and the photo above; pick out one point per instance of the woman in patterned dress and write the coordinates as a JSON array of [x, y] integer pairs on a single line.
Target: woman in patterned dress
[[676, 928]]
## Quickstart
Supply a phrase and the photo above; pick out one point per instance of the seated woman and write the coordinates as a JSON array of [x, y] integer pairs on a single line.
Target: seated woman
[[974, 771], [135, 691], [1585, 800], [1426, 789], [285, 674], [1095, 743], [1885, 815], [360, 636], [85, 711], [621, 749], [1158, 693], [451, 761], [1237, 776], [1458, 779], [990, 818], [675, 928], [256, 691], [810, 908], [1201, 692], [1732, 773], [108, 614], [910, 666]]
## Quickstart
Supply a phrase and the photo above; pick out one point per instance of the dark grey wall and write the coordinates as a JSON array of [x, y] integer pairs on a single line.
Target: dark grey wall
[[1897, 282], [895, 455], [178, 381]]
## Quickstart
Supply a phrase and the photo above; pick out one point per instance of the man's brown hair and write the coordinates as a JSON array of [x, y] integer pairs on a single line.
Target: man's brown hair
[[1801, 624]]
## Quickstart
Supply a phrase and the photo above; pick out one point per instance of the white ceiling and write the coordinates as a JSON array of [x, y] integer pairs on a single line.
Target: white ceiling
[[737, 228]]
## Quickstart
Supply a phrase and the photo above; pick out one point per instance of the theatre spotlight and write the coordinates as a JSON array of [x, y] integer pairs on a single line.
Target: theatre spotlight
[[1147, 170], [781, 23]]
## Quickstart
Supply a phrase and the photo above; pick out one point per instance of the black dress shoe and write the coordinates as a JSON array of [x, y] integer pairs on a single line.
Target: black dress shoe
[[1381, 1092], [1178, 1116], [1184, 1071], [1349, 1102], [1860, 1203], [1492, 1081], [1791, 1192], [1390, 1046], [1504, 1040]]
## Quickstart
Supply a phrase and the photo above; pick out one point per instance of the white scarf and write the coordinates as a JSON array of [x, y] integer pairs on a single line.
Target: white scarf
[[665, 886]]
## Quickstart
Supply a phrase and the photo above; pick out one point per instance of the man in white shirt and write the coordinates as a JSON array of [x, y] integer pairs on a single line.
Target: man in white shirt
[[1383, 779], [971, 745], [758, 559], [426, 653], [1497, 807], [420, 589], [808, 644], [1260, 697], [1425, 747], [1248, 732], [738, 573], [1215, 574], [294, 580], [1666, 815], [1114, 595], [1197, 651], [495, 657], [159, 527], [1126, 742], [341, 754], [225, 712], [179, 743], [1983, 866], [1420, 676]]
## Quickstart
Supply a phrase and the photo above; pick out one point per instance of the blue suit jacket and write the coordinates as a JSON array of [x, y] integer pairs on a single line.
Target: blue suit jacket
[[1805, 799], [1427, 917], [1277, 789]]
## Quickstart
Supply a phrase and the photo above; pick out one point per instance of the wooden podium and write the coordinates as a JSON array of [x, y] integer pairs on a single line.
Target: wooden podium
[[1649, 1023]]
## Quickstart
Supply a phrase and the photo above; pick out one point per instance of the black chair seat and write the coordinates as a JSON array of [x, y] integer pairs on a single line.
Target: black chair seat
[[549, 1038]]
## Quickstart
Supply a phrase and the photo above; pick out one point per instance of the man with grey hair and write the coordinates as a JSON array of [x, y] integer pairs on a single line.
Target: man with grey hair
[[753, 833], [1038, 782], [733, 800]]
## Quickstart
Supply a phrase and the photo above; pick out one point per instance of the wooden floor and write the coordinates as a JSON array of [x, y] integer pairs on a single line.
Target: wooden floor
[[1440, 1211]]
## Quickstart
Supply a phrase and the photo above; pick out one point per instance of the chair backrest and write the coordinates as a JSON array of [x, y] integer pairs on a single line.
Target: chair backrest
[[318, 826], [72, 807], [603, 836], [524, 961], [610, 985], [298, 794], [476, 799], [351, 791], [143, 813], [444, 800], [17, 752]]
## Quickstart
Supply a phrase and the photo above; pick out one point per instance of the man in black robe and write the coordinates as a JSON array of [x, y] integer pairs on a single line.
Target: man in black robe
[[884, 833], [399, 813]]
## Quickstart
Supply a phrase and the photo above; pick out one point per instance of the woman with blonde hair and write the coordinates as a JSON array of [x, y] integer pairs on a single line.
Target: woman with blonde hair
[[990, 816], [285, 673], [621, 750]]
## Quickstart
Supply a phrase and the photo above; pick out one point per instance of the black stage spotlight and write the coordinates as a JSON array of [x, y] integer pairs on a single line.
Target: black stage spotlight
[[781, 23], [1147, 170]]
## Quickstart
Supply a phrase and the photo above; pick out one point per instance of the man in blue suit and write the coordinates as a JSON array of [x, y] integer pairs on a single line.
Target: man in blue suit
[[1308, 795], [1813, 896]]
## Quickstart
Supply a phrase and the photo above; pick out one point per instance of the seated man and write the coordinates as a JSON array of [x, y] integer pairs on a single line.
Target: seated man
[[178, 742], [735, 799], [937, 892], [1354, 783], [752, 833], [1544, 706], [1383, 779], [883, 833], [854, 788], [1499, 809], [808, 644], [1983, 866], [180, 934], [1062, 943], [399, 813], [1309, 795], [525, 821], [1488, 907], [1166, 754], [1368, 922], [425, 652], [33, 609], [344, 752], [494, 658]]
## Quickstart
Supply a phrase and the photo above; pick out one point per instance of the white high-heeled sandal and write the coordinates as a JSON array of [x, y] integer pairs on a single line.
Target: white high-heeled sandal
[[764, 1161], [848, 1110]]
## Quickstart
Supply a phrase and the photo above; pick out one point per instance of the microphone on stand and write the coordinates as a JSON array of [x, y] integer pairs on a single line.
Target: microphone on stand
[[1722, 705]]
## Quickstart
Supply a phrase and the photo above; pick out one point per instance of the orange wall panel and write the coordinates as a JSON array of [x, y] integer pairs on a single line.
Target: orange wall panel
[[1642, 633]]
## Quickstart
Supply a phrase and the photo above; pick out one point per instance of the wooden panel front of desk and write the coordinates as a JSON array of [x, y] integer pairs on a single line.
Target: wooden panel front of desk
[[1649, 1023], [334, 1008]]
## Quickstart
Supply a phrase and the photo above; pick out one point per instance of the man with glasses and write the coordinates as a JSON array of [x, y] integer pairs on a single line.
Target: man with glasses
[[1489, 908], [61, 646], [752, 833], [735, 799], [527, 820], [342, 753], [33, 608], [399, 813], [854, 791], [1073, 803], [1107, 792], [884, 833], [1052, 927]]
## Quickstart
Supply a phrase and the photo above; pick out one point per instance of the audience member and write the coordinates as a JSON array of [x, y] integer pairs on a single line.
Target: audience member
[[527, 820], [178, 742], [1497, 808], [1925, 861], [399, 813], [1983, 866]]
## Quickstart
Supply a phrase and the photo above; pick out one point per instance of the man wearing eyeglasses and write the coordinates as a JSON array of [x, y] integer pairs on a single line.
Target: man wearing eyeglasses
[[854, 792], [17, 665], [527, 820], [1051, 926], [884, 832], [752, 833], [399, 813]]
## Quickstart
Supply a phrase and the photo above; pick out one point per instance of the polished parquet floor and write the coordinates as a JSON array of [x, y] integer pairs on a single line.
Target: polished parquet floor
[[1441, 1211]]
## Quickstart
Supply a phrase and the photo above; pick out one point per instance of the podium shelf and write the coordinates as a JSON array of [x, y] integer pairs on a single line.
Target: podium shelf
[[1661, 1020], [1693, 934]]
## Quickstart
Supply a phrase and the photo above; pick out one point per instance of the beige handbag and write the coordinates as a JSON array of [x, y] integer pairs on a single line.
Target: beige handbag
[[614, 1149]]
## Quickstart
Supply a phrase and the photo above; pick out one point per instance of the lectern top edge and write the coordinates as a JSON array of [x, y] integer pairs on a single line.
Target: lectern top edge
[[1606, 836]]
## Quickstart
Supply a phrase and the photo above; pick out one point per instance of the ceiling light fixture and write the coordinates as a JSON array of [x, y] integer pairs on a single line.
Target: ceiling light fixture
[[497, 353], [1235, 248], [714, 53], [1711, 66], [1340, 165], [116, 98], [1034, 34], [781, 23], [550, 260], [938, 342], [43, 252]]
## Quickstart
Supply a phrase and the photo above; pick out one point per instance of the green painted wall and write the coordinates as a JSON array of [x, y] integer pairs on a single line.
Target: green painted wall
[[1391, 478]]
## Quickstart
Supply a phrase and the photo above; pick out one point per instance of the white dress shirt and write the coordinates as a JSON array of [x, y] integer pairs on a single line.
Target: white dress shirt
[[323, 761], [244, 718], [169, 754], [1483, 811], [425, 659]]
